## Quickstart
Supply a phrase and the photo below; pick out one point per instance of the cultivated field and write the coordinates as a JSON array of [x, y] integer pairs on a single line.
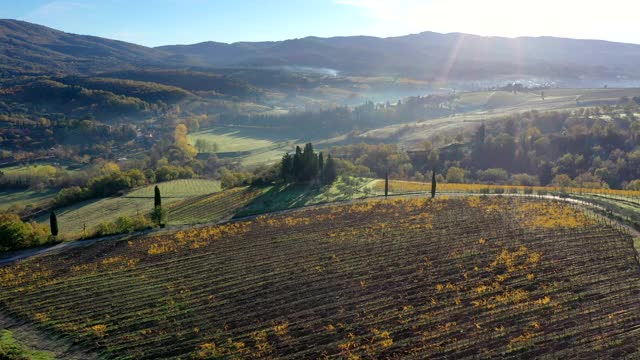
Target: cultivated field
[[403, 187], [412, 278], [211, 207], [72, 219]]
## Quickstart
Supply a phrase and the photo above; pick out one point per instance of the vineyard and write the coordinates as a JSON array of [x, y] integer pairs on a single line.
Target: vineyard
[[74, 219], [468, 277], [211, 207], [400, 187]]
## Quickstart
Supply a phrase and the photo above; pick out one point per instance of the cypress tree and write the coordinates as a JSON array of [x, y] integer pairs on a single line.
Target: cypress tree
[[309, 163], [320, 162], [286, 170], [157, 200], [329, 175], [297, 163], [53, 223], [433, 184], [386, 184]]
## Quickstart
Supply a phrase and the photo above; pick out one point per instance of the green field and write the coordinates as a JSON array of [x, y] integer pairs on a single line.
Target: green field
[[253, 146], [74, 218], [231, 139], [387, 279], [21, 198], [37, 168]]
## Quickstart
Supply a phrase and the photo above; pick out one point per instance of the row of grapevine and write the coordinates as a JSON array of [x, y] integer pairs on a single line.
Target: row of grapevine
[[464, 277]]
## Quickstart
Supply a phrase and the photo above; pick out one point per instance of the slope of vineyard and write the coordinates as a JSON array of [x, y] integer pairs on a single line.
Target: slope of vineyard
[[211, 207], [400, 187], [404, 278], [89, 214]]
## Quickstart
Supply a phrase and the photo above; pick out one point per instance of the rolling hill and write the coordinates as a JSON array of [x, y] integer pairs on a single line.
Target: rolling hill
[[427, 55], [30, 48]]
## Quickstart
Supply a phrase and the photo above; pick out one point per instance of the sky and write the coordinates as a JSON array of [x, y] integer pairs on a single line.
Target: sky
[[165, 22]]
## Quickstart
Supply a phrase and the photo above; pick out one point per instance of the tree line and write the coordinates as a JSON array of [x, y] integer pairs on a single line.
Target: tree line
[[306, 165]]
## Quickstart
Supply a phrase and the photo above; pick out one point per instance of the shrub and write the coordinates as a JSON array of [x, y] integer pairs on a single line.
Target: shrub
[[528, 191], [70, 196], [493, 175], [123, 225], [498, 190], [16, 234], [485, 191], [159, 216], [230, 179]]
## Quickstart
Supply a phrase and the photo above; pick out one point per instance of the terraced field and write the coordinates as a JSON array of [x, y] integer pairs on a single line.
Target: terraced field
[[211, 207], [405, 278], [73, 219]]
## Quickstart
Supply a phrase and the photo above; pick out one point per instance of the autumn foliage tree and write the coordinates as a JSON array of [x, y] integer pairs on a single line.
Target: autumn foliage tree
[[181, 140]]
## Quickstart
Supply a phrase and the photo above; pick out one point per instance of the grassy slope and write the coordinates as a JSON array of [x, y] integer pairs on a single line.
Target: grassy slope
[[10, 349], [138, 202], [265, 145], [283, 197], [446, 278], [239, 138], [10, 198]]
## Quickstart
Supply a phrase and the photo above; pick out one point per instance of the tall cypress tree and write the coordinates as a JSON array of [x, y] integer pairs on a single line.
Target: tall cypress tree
[[320, 162], [433, 184], [309, 163], [329, 174], [53, 223], [286, 170], [386, 184], [297, 163], [157, 199]]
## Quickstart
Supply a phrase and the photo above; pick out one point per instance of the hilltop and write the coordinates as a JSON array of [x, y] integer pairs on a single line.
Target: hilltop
[[30, 48]]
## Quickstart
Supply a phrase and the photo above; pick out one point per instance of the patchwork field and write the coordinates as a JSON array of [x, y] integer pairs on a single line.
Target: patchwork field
[[72, 219], [412, 278]]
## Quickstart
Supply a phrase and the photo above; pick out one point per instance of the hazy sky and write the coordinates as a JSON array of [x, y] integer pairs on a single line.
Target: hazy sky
[[161, 22]]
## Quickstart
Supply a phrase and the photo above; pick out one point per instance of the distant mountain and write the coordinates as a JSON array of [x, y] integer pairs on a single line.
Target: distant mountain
[[30, 48], [428, 55]]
